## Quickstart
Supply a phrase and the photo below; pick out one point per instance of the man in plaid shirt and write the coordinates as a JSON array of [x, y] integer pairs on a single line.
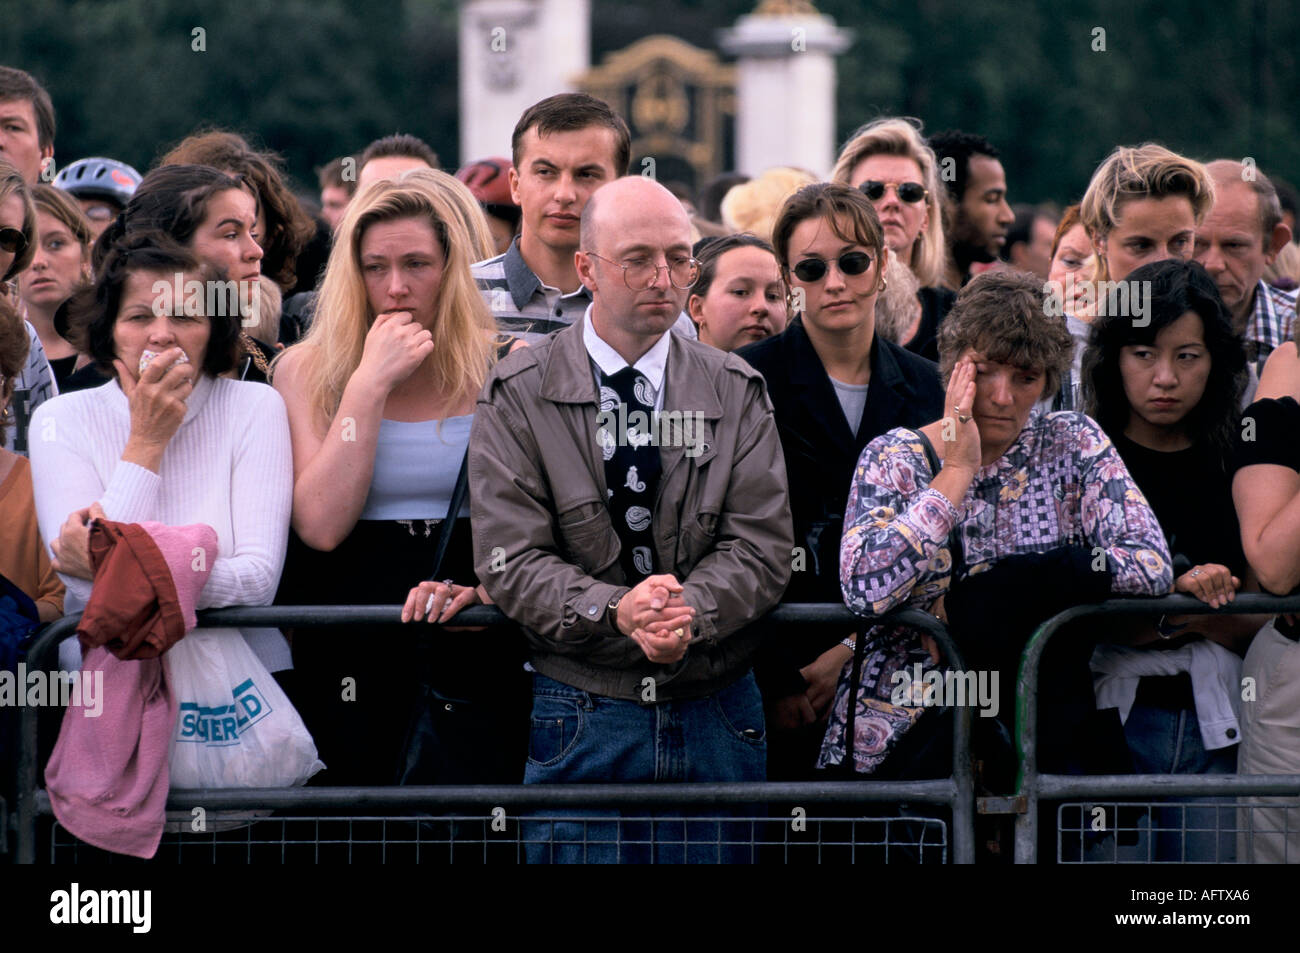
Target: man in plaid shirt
[[1239, 238]]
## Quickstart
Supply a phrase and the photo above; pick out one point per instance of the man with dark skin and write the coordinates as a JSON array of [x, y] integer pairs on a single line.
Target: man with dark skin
[[977, 192]]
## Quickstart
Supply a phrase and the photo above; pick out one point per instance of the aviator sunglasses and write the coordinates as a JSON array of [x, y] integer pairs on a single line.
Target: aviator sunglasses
[[814, 269], [13, 241], [909, 192]]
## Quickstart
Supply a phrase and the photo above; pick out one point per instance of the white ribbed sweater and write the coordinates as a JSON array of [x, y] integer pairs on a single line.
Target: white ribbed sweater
[[229, 465]]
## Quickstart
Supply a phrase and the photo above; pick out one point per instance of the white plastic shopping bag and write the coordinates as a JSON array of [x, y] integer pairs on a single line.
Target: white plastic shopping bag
[[236, 727]]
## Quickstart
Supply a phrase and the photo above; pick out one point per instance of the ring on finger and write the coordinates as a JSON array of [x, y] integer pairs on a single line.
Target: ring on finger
[[961, 418]]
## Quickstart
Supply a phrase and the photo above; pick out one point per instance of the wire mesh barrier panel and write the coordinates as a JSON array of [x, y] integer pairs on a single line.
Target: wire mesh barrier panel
[[1193, 831], [1148, 818], [543, 838]]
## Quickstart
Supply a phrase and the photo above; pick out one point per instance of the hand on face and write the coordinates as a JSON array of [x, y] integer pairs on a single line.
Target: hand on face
[[402, 264], [395, 346], [1005, 396], [963, 451], [157, 397]]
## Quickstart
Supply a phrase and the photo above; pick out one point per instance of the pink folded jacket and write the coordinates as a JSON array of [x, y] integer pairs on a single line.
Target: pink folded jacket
[[107, 778]]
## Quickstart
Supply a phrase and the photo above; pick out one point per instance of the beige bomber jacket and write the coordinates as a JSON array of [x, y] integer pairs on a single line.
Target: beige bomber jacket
[[545, 547]]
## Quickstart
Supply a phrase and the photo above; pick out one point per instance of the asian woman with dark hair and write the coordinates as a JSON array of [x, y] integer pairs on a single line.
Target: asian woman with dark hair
[[1167, 392]]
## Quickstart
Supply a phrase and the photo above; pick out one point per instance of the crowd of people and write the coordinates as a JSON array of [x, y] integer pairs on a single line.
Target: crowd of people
[[638, 417]]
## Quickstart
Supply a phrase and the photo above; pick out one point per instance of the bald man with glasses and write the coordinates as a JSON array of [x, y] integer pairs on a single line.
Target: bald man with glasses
[[631, 513]]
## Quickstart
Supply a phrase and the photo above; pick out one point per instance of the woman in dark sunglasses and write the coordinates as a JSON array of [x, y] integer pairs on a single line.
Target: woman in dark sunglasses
[[835, 385], [889, 162]]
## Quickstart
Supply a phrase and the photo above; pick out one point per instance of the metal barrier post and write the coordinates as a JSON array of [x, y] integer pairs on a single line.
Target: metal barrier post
[[25, 808], [1035, 787]]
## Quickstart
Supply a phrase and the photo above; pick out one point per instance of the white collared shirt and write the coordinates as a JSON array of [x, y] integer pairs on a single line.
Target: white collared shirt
[[653, 363]]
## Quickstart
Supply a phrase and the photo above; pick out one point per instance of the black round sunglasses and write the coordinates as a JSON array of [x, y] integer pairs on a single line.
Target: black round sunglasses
[[850, 263]]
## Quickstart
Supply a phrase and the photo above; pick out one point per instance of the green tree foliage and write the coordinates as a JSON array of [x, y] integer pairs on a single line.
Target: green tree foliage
[[313, 79], [310, 79]]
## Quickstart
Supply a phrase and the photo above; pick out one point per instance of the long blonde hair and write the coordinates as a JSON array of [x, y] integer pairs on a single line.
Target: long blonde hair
[[463, 328], [482, 244], [893, 136]]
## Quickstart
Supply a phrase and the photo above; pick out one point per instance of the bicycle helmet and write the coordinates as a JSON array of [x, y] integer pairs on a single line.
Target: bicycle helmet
[[99, 178]]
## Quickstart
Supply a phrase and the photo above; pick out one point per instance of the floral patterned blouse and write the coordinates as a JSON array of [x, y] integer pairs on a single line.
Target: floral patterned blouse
[[1060, 483]]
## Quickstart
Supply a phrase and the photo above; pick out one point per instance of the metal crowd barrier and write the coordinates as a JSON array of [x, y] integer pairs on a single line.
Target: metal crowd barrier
[[835, 837], [1035, 788]]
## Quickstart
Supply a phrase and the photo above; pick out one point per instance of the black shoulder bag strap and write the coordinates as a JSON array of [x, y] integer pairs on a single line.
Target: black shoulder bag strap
[[449, 523], [860, 645], [458, 494]]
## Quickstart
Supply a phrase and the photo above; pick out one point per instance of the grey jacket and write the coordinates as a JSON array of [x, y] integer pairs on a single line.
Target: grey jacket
[[544, 542]]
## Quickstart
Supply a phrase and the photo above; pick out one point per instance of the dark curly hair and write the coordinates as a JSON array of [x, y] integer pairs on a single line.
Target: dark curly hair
[[288, 227], [96, 308], [1177, 287], [171, 200], [1002, 315]]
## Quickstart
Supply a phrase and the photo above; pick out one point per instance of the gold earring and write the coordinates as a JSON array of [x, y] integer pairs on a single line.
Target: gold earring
[[884, 283]]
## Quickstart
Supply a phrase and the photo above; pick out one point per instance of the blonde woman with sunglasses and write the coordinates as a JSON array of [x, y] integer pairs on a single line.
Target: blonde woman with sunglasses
[[889, 162]]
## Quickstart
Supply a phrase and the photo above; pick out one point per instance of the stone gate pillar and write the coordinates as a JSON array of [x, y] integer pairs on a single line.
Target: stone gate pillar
[[785, 86], [512, 54]]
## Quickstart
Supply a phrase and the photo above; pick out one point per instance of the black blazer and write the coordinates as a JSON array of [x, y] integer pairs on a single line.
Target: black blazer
[[821, 452]]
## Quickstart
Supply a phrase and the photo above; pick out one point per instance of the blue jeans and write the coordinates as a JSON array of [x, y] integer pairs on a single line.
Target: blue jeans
[[578, 737], [1168, 741]]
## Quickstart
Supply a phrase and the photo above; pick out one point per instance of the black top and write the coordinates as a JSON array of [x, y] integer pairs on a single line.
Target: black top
[[62, 368], [821, 454], [84, 379], [1270, 433], [1190, 491], [935, 305]]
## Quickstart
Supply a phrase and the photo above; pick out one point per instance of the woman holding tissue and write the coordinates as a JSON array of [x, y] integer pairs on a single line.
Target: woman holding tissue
[[168, 440], [215, 216], [381, 395]]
